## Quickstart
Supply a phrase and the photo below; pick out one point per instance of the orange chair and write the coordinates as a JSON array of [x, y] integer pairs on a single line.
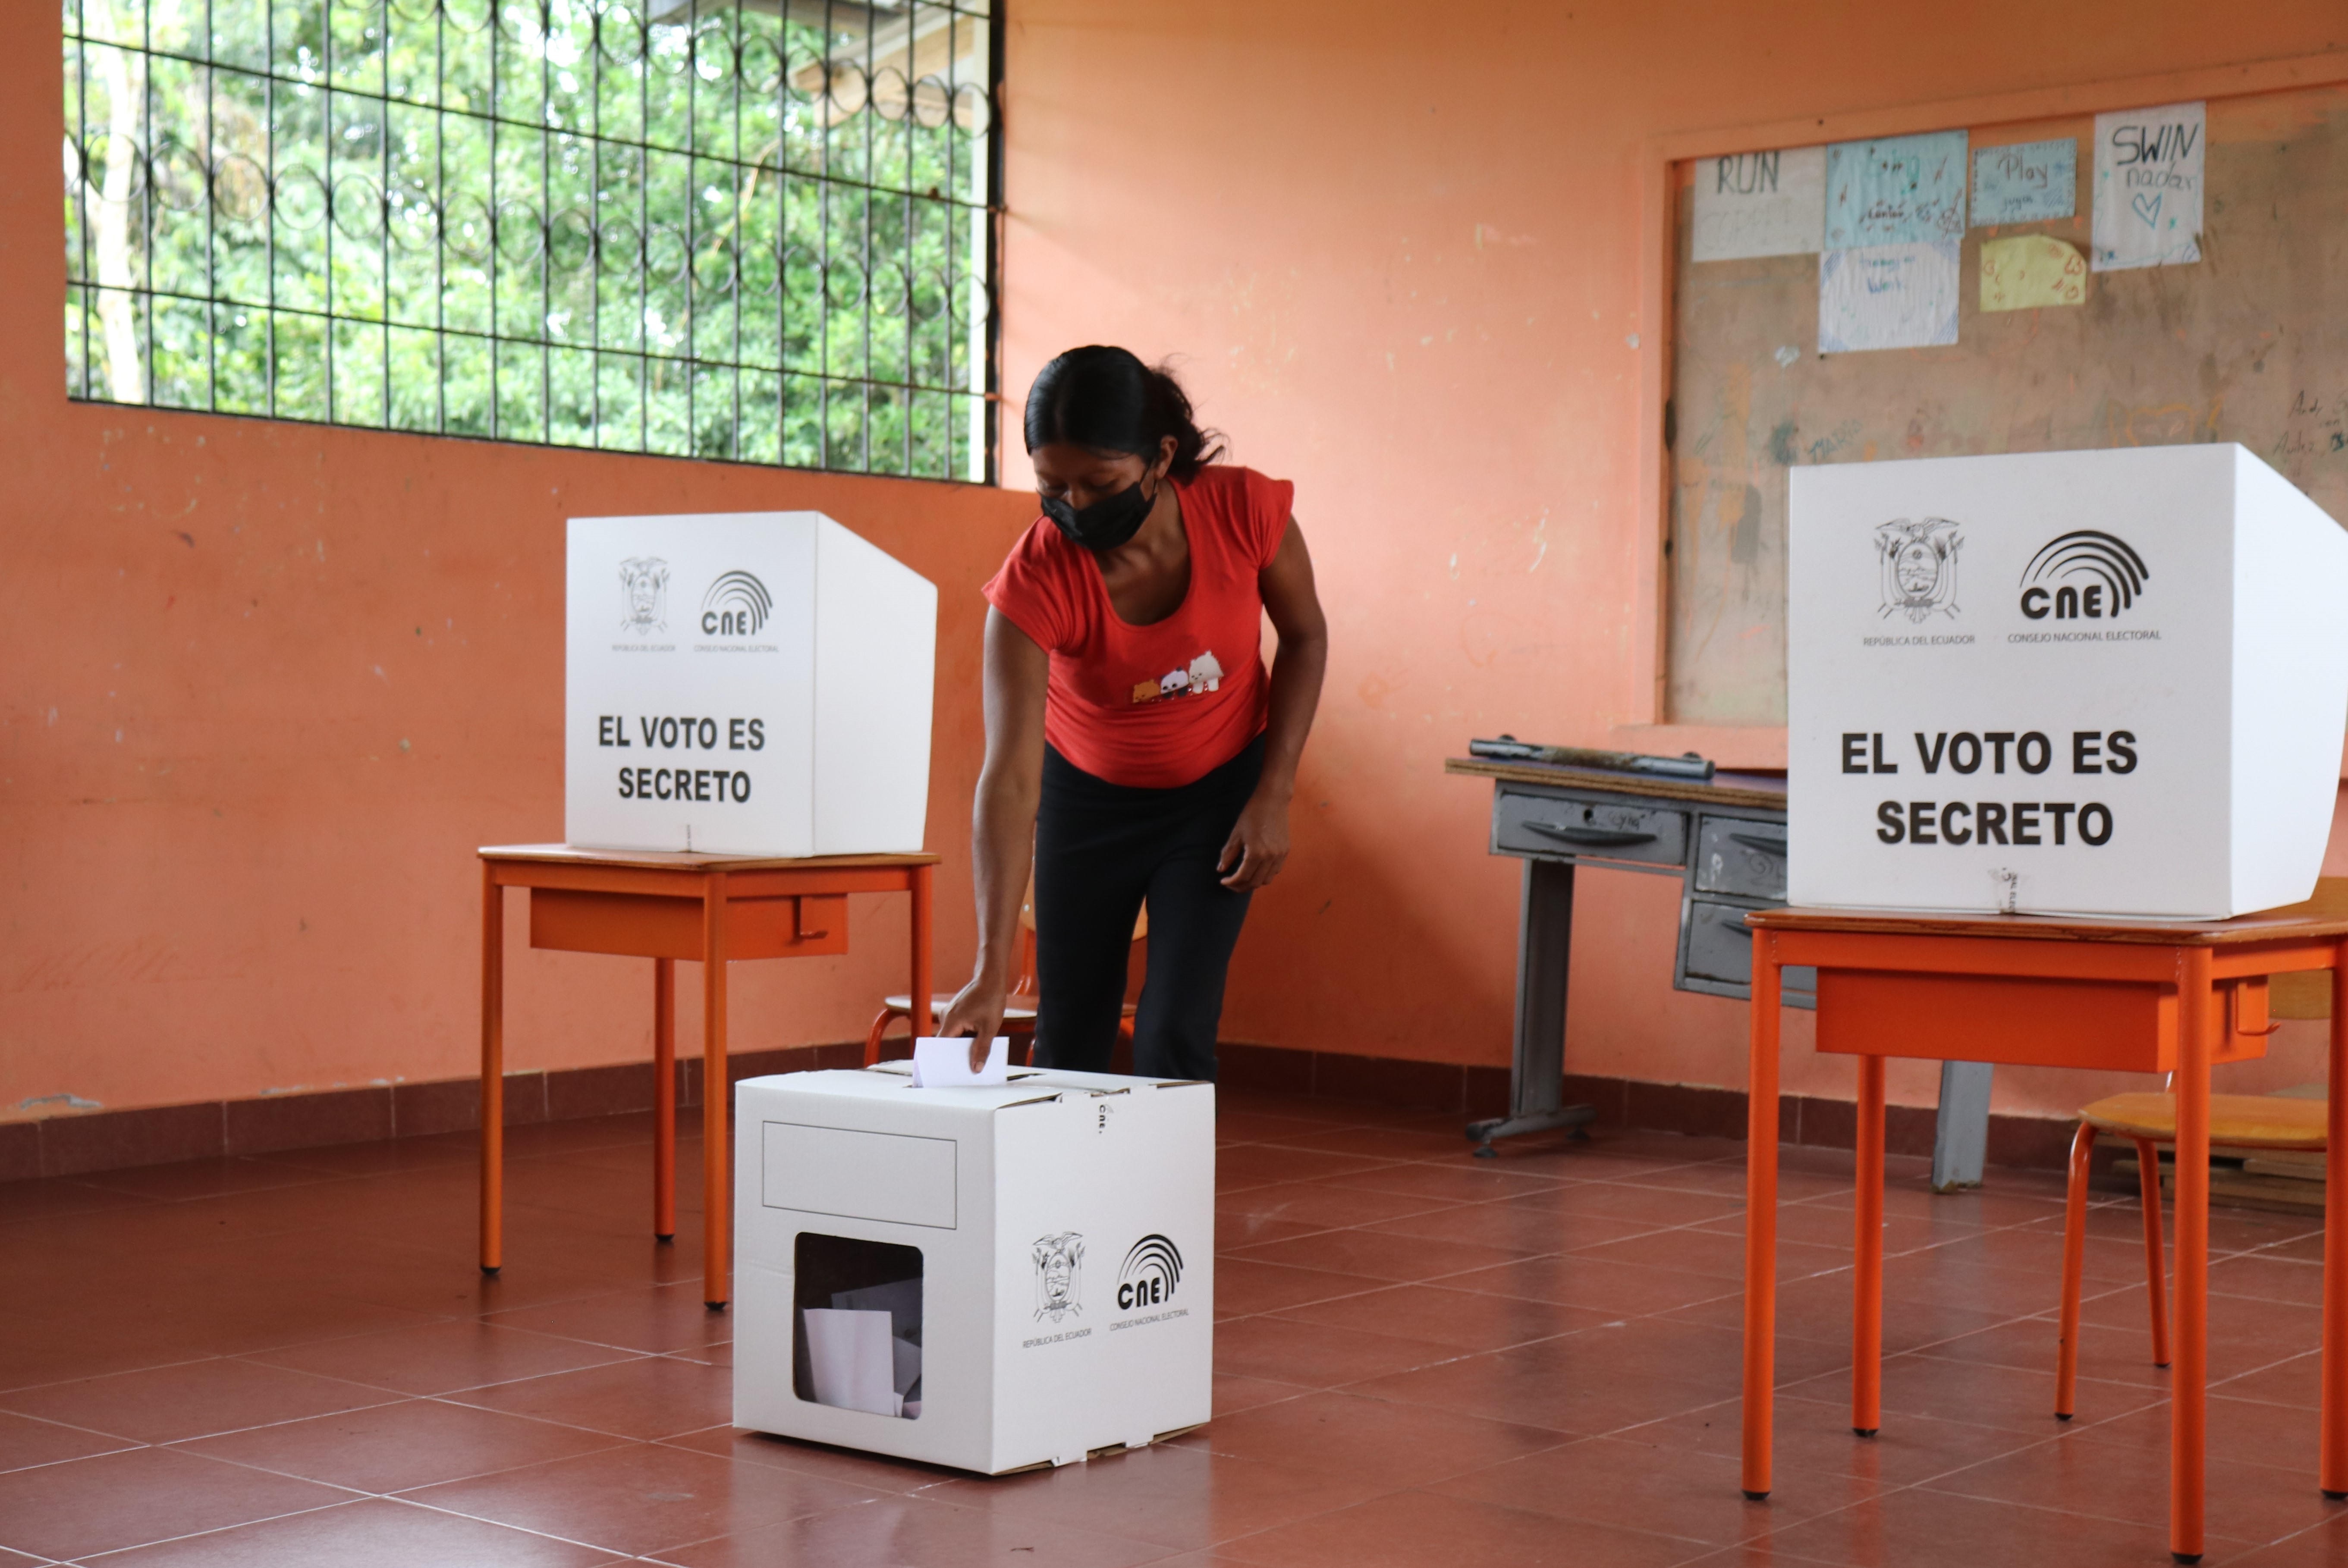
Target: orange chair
[[1019, 1018], [2236, 1121]]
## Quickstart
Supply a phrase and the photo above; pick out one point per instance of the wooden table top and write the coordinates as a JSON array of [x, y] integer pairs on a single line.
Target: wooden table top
[[2324, 915], [1645, 784], [674, 860]]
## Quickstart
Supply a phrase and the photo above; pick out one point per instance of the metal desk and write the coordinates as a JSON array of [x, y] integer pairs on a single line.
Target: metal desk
[[1726, 841]]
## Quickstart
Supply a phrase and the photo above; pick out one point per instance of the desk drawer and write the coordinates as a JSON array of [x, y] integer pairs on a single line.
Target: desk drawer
[[1737, 856], [1546, 825], [1719, 947]]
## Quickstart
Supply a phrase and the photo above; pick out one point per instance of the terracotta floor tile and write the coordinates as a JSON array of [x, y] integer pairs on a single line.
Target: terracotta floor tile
[[1261, 1127], [1416, 1530], [906, 1530], [1657, 1207], [1236, 1231], [42, 1200], [2269, 1278], [1986, 1396], [141, 1495], [1808, 1440], [1643, 1481], [1462, 1179], [2107, 1355], [1621, 1290], [1263, 1164], [2078, 1474], [643, 1497], [1315, 1356], [1245, 1286], [2325, 1546], [1819, 1308], [1715, 1252], [1380, 1256], [166, 1404], [2283, 1437], [655, 1396], [2298, 1381], [375, 1532], [1727, 1180], [25, 1443], [200, 1179], [1235, 1393], [1570, 1400], [441, 1357], [1513, 1227], [1379, 1441], [1819, 1225], [1917, 1526], [1324, 1204], [707, 1355], [1683, 1351], [395, 1448], [1470, 1320], [1384, 1143], [660, 1318], [873, 1472]]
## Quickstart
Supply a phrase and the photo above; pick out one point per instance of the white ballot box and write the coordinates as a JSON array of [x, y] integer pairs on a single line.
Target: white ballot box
[[987, 1278], [2091, 683], [757, 683]]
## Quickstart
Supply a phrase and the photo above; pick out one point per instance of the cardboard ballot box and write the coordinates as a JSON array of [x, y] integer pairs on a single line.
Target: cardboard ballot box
[[987, 1278], [753, 684], [2092, 683]]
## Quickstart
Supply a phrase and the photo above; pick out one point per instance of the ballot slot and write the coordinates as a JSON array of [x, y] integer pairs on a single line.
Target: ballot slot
[[857, 1325], [1526, 822]]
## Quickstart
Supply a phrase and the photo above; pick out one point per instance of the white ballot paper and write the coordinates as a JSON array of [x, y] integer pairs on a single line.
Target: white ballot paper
[[945, 1064], [852, 1359]]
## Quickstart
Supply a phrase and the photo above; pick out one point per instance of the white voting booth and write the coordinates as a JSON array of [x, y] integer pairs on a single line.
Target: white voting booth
[[755, 683], [2100, 683], [989, 1278]]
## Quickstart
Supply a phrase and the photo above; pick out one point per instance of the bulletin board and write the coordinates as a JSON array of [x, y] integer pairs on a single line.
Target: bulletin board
[[2248, 344]]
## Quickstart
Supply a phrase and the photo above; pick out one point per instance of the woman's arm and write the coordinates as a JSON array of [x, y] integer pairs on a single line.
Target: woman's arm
[[1003, 826], [1259, 842]]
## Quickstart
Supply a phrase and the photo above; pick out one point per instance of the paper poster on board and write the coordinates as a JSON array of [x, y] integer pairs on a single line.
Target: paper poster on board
[[1887, 296], [1902, 190], [2027, 183], [2031, 272], [1759, 204], [2149, 174]]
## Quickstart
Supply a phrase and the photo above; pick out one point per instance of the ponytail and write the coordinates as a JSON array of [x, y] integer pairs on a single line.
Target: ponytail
[[1106, 399]]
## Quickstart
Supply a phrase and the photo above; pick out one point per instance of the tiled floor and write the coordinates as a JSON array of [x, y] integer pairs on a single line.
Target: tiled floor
[[1423, 1360]]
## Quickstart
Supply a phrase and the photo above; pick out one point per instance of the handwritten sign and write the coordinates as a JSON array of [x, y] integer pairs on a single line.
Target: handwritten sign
[[1901, 191], [2149, 174], [1887, 296], [2027, 183], [1760, 204], [2029, 272]]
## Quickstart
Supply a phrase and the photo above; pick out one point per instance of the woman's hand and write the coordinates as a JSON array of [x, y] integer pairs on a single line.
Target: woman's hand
[[1258, 846], [976, 1011]]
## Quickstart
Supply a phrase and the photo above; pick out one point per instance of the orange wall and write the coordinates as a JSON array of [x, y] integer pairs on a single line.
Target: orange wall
[[1396, 249], [268, 684]]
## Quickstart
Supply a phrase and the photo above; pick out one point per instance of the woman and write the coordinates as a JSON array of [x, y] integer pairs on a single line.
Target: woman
[[1132, 735]]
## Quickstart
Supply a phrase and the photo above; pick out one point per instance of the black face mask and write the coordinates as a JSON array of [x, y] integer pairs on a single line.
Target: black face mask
[[1108, 522]]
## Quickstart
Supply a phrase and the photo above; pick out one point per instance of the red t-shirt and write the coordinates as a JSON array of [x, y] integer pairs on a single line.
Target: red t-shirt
[[1160, 706]]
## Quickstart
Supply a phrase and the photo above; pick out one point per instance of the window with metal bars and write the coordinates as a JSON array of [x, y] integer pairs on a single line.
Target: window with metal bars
[[751, 230]]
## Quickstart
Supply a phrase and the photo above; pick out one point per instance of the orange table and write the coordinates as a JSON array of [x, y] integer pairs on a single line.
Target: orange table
[[2038, 991], [665, 907]]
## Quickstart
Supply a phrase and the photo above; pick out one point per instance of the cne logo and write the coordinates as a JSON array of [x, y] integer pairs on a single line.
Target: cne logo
[[2085, 574], [1151, 1271], [737, 605]]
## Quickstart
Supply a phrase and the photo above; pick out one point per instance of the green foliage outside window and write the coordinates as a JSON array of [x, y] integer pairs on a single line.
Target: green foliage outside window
[[755, 231]]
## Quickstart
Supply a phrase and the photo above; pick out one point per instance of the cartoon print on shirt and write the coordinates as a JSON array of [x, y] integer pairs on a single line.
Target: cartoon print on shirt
[[1204, 675]]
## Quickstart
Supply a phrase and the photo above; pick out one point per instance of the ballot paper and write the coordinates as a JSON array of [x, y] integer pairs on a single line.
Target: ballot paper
[[945, 1064], [852, 1359]]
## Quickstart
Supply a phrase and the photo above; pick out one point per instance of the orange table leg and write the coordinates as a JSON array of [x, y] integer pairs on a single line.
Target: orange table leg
[[664, 1099], [2332, 1470], [2189, 1398], [2155, 1266], [493, 1071], [717, 1099], [1761, 1220], [1867, 1287], [924, 980], [2075, 1260]]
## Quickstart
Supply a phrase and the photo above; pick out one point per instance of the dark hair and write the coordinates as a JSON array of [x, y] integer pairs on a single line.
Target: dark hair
[[1107, 399]]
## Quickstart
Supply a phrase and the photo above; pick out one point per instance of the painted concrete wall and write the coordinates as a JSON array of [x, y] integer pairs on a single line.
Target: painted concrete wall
[[268, 685], [1396, 251]]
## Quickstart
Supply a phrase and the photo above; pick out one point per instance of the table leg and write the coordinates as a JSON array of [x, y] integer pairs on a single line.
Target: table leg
[[2332, 1464], [717, 1099], [1761, 1219], [664, 1099], [2191, 1354], [493, 1071], [1867, 1286], [924, 979], [1537, 1070]]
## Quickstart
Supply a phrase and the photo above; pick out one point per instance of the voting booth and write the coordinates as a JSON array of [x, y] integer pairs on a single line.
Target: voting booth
[[2088, 683], [989, 1278], [753, 684]]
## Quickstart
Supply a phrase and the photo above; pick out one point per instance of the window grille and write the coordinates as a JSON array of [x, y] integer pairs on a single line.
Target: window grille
[[752, 230]]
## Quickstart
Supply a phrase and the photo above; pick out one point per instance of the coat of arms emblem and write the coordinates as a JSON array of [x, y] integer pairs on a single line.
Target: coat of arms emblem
[[1059, 1263], [643, 594], [1918, 562]]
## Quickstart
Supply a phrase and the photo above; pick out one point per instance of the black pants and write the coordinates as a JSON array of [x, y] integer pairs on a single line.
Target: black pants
[[1102, 849]]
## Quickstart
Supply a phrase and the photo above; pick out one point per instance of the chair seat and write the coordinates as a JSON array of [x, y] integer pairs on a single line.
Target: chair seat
[[2244, 1120], [1014, 1014]]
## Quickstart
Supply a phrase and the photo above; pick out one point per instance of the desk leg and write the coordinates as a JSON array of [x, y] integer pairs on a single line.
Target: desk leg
[[1866, 1274], [924, 979], [1761, 1220], [2332, 1466], [1537, 1073], [717, 1099], [2189, 1396], [493, 1071], [664, 1099]]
